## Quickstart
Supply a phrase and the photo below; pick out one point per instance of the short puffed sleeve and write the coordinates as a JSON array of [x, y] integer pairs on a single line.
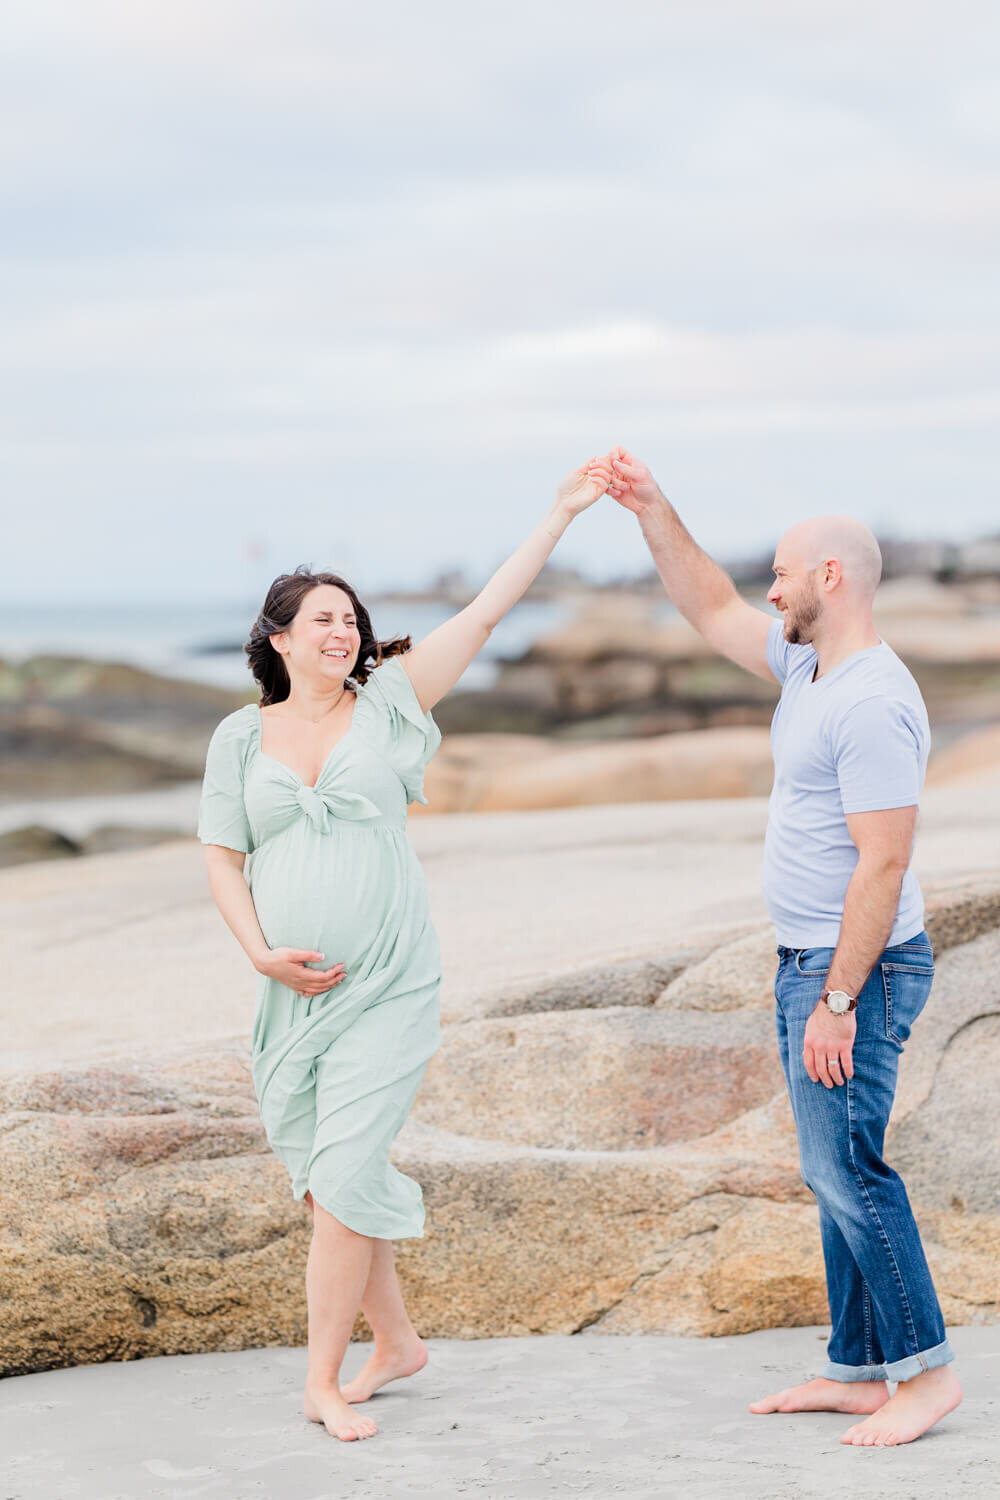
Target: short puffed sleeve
[[222, 816], [389, 713]]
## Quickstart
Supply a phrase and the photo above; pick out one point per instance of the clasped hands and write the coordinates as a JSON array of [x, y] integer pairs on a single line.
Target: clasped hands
[[618, 473]]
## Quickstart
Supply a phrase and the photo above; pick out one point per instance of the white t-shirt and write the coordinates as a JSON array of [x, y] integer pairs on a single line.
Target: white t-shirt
[[854, 741]]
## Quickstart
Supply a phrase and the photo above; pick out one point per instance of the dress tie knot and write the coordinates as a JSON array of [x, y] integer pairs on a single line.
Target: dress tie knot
[[319, 803]]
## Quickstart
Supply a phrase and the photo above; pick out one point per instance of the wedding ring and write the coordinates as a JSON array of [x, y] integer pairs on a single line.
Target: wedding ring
[[833, 1062]]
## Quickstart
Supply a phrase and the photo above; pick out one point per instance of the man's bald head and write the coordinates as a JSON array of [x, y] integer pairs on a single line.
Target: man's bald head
[[839, 539]]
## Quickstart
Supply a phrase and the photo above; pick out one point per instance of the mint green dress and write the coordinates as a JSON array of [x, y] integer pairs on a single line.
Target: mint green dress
[[331, 868]]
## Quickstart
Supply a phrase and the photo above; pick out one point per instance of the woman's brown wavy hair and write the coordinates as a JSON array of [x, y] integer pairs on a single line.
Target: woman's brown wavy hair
[[284, 599]]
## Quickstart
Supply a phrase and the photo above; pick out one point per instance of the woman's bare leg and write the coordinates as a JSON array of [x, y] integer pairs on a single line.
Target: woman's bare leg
[[336, 1275], [398, 1349]]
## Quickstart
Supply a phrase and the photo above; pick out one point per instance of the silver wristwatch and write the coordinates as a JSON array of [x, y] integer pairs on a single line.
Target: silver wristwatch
[[838, 1002]]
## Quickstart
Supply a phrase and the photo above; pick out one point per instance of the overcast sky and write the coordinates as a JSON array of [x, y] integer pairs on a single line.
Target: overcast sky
[[357, 284]]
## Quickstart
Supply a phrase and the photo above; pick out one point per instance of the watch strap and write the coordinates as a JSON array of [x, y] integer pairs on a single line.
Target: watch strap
[[853, 999]]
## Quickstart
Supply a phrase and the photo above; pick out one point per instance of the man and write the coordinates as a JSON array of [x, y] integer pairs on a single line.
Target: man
[[850, 740]]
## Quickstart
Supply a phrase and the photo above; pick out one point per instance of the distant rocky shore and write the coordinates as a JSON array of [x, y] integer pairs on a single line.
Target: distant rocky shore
[[614, 706], [71, 727], [615, 673]]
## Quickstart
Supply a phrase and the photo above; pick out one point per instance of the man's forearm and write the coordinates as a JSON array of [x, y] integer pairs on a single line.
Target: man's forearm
[[695, 583], [870, 908]]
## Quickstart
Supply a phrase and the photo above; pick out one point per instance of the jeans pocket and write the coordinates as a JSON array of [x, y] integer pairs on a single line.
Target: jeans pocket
[[813, 963], [907, 986]]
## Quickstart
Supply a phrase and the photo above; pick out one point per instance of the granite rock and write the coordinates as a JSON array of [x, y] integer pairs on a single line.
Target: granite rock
[[736, 976], [604, 1080], [610, 1167], [491, 776]]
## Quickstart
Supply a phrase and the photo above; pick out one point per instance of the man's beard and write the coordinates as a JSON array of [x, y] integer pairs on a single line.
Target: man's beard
[[798, 629]]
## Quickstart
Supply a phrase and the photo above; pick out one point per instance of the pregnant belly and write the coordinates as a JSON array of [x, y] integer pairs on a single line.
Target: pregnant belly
[[314, 896]]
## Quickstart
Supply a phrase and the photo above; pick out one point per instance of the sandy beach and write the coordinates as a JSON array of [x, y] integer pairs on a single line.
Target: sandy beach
[[505, 1419]]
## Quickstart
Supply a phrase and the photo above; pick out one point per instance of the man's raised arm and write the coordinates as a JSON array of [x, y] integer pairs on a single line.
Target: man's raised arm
[[704, 594]]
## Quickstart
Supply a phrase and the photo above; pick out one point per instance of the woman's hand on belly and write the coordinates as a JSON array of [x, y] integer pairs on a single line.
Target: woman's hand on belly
[[288, 967]]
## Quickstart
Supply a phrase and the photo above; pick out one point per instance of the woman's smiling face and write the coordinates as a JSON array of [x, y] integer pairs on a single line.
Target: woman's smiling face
[[323, 640]]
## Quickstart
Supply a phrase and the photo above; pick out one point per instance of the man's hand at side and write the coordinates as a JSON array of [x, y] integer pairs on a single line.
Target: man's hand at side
[[829, 1045]]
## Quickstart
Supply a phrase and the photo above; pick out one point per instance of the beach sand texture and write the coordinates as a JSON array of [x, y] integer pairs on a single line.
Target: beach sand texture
[[507, 1419]]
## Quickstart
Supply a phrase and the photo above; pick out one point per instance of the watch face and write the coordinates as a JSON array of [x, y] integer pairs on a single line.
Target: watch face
[[838, 1002]]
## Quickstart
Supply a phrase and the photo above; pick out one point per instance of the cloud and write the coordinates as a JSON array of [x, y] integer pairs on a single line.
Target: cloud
[[249, 245]]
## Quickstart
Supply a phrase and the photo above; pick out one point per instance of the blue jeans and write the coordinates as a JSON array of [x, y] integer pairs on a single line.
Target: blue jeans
[[887, 1323]]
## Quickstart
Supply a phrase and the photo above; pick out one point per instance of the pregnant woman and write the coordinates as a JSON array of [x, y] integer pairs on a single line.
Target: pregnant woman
[[313, 783]]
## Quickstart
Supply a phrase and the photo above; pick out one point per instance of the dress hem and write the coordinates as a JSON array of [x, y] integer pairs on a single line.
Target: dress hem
[[345, 1219]]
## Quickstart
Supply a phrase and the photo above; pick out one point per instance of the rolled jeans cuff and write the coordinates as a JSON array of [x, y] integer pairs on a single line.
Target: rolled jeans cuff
[[853, 1373], [897, 1369], [917, 1364]]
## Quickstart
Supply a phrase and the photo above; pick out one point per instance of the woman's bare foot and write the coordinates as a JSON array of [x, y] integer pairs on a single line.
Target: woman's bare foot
[[385, 1365], [855, 1396], [916, 1406], [321, 1404]]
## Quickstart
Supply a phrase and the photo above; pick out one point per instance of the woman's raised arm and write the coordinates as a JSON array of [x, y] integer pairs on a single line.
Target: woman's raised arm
[[438, 661]]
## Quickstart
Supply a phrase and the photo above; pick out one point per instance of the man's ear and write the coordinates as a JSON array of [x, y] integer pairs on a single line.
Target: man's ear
[[832, 574]]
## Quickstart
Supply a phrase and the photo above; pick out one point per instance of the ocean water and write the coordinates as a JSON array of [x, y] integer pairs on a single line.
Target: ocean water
[[202, 643]]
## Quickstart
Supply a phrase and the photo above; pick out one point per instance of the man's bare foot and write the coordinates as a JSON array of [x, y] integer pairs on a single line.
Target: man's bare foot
[[321, 1404], [916, 1406], [855, 1396], [386, 1365]]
